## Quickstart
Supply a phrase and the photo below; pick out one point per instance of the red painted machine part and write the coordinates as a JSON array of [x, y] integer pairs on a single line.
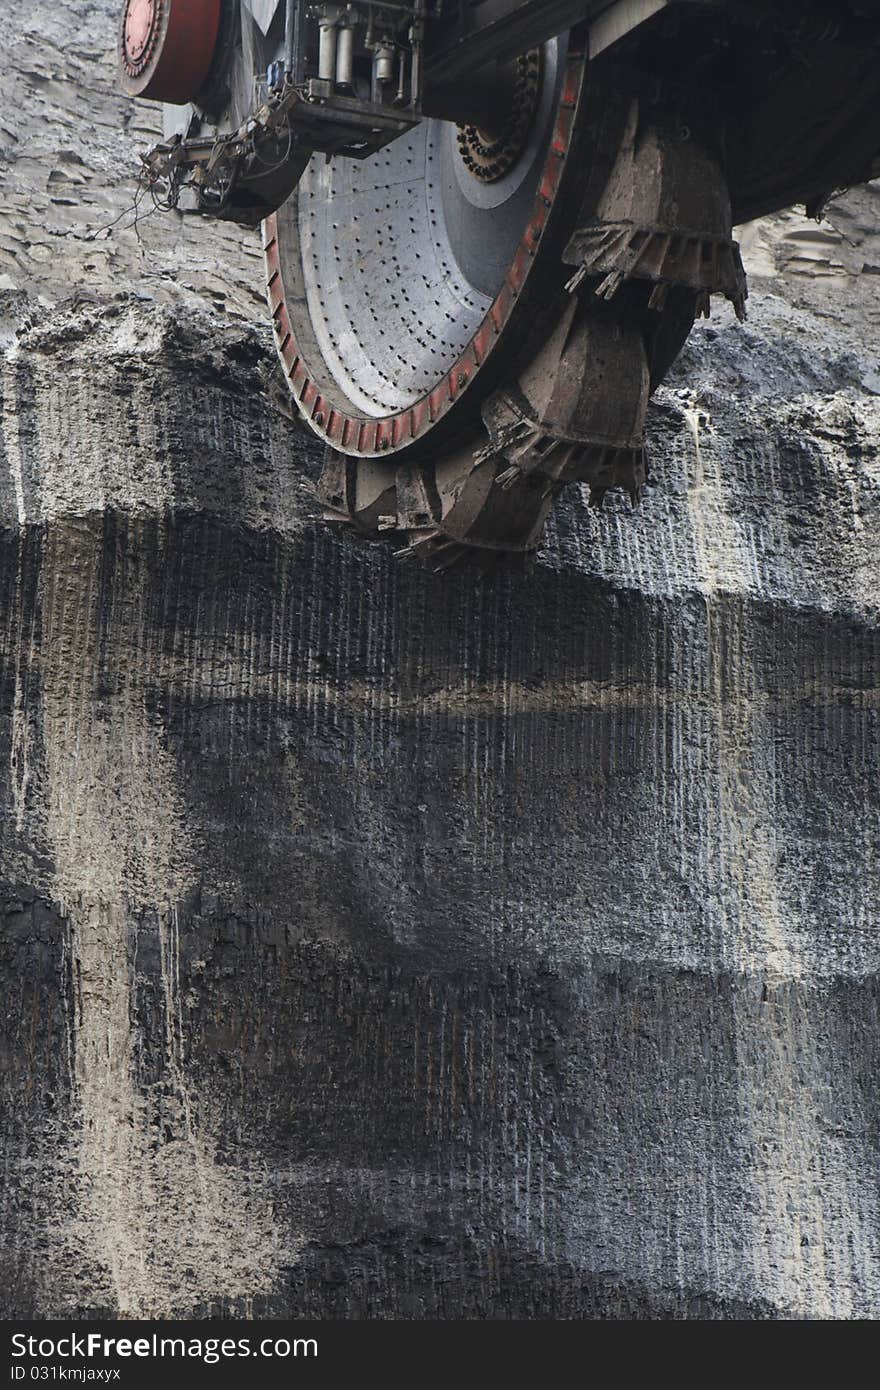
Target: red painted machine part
[[166, 47]]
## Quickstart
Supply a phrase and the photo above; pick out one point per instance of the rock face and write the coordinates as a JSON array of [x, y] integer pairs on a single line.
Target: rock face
[[381, 944]]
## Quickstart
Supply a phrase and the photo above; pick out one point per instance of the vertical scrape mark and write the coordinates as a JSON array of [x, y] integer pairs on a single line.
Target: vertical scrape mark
[[802, 1182], [171, 1229], [11, 430]]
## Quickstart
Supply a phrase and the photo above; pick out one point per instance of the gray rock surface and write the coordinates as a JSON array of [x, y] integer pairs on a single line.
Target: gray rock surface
[[381, 944], [70, 217]]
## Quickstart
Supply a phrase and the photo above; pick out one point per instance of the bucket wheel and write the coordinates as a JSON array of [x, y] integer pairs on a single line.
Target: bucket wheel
[[475, 316]]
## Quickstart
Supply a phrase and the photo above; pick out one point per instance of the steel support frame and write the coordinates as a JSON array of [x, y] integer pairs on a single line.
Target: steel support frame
[[489, 30]]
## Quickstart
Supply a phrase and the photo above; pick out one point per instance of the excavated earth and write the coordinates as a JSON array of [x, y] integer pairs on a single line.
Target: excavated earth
[[382, 944]]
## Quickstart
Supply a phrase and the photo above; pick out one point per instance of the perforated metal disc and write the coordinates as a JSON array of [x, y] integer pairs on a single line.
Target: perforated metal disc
[[403, 254], [392, 279]]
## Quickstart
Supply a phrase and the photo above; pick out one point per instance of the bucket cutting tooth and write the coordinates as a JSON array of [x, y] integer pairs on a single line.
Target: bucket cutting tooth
[[577, 414], [663, 217], [360, 494]]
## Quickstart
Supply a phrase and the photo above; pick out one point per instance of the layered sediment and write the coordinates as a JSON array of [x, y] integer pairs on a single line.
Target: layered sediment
[[377, 943]]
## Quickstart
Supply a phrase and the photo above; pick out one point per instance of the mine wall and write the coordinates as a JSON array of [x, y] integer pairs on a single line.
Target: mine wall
[[383, 944]]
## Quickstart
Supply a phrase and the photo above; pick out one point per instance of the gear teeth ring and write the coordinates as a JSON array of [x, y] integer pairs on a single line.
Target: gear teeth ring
[[490, 160]]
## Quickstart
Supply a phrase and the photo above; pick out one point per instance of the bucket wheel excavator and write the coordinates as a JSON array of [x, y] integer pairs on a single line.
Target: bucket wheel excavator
[[489, 225]]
